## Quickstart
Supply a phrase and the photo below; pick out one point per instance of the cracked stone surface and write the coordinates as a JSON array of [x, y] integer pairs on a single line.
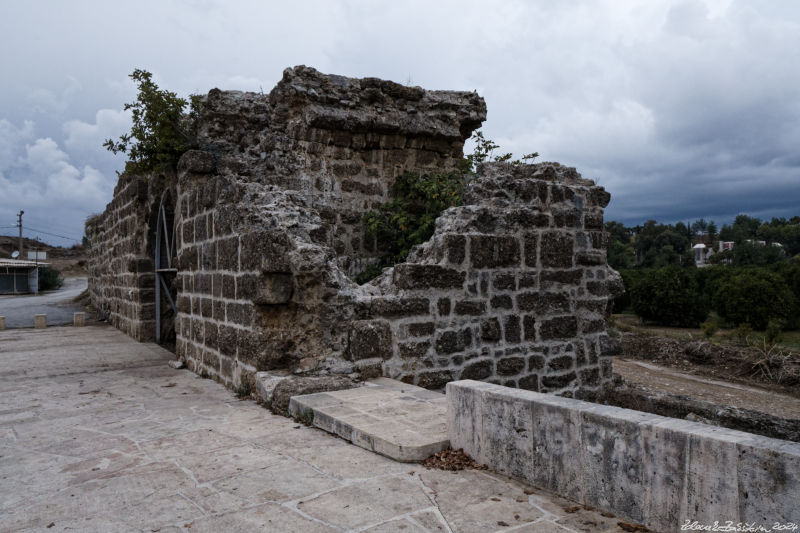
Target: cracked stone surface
[[98, 433]]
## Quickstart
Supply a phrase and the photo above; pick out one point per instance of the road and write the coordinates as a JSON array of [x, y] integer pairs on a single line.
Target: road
[[57, 305]]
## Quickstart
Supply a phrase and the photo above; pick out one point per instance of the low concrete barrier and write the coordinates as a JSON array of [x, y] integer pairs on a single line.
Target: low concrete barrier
[[39, 321], [654, 470]]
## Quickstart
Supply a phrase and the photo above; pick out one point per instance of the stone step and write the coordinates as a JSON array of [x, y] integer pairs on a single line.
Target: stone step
[[403, 422]]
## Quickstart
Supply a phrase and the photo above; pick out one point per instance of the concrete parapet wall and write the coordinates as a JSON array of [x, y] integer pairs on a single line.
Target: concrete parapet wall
[[658, 471]]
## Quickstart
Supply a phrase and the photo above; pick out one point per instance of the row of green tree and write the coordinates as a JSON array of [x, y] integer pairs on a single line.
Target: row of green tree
[[654, 245], [684, 297]]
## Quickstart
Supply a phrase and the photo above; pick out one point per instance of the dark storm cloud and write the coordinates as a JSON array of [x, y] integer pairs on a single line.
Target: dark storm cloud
[[682, 109]]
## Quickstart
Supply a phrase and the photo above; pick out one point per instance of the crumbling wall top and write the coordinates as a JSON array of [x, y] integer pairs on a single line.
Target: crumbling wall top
[[307, 99]]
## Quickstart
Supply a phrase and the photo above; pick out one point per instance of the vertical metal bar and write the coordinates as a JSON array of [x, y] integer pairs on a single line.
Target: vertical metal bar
[[158, 285], [168, 295], [166, 236]]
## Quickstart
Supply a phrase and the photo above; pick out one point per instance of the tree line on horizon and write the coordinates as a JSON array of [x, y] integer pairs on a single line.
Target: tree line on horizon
[[755, 284], [653, 245]]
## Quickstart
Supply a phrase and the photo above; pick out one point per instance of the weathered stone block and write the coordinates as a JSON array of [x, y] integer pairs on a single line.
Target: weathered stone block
[[558, 381], [421, 329], [494, 251], [417, 276], [562, 362], [553, 278], [455, 246], [434, 380], [557, 249], [368, 339], [512, 328], [543, 303], [478, 370], [510, 366], [504, 282], [563, 327], [501, 302], [274, 288], [264, 251], [470, 307], [400, 307], [453, 341], [413, 350], [196, 162], [490, 330], [531, 243]]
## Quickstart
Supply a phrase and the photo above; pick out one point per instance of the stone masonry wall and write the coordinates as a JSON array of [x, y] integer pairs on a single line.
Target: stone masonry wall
[[121, 277], [339, 142], [512, 288]]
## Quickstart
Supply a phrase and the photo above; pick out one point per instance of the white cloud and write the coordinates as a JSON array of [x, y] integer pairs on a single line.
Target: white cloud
[[53, 192], [43, 100], [109, 123], [673, 105], [12, 139]]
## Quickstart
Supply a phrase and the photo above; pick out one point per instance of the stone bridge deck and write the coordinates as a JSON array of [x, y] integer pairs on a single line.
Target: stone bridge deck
[[97, 433]]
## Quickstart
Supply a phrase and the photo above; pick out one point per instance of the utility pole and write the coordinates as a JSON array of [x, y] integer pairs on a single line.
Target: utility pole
[[19, 216]]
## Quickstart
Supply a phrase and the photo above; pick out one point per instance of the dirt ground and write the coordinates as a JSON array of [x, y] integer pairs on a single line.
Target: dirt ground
[[756, 398], [676, 372], [775, 369]]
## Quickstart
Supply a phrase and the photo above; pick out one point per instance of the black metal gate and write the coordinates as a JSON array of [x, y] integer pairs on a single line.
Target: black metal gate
[[165, 271]]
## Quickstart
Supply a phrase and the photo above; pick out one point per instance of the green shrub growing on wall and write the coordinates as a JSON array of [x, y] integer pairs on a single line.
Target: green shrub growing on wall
[[409, 219], [754, 296], [162, 129], [669, 296]]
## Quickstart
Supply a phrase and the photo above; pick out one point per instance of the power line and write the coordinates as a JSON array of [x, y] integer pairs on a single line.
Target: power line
[[28, 228]]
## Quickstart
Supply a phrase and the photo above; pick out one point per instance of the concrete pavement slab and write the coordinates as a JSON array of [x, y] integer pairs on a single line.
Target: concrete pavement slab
[[401, 421]]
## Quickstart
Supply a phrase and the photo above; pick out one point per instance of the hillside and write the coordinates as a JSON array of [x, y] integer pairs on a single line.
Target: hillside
[[71, 262]]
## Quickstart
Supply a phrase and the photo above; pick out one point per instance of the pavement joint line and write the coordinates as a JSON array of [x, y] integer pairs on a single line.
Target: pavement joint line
[[292, 506], [431, 494], [393, 518]]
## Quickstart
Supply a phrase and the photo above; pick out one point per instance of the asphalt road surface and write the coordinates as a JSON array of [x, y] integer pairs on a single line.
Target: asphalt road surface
[[57, 305]]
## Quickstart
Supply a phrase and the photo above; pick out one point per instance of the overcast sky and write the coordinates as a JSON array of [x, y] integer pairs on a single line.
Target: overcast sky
[[681, 109]]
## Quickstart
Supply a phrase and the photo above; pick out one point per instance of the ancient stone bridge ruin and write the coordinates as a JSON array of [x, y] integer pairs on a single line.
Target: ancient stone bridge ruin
[[245, 257]]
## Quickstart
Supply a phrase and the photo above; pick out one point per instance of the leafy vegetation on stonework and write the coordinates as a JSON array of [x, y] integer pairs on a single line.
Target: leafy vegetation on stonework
[[419, 198], [409, 219], [162, 128]]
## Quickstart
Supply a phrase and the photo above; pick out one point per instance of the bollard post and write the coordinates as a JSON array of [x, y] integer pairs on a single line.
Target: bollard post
[[2, 323], [40, 321], [79, 319]]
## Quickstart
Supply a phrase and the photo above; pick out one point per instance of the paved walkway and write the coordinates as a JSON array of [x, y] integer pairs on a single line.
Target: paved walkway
[[57, 305], [97, 433]]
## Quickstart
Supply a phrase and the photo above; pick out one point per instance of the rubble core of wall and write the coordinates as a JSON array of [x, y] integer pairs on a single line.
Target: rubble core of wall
[[338, 141], [512, 288]]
